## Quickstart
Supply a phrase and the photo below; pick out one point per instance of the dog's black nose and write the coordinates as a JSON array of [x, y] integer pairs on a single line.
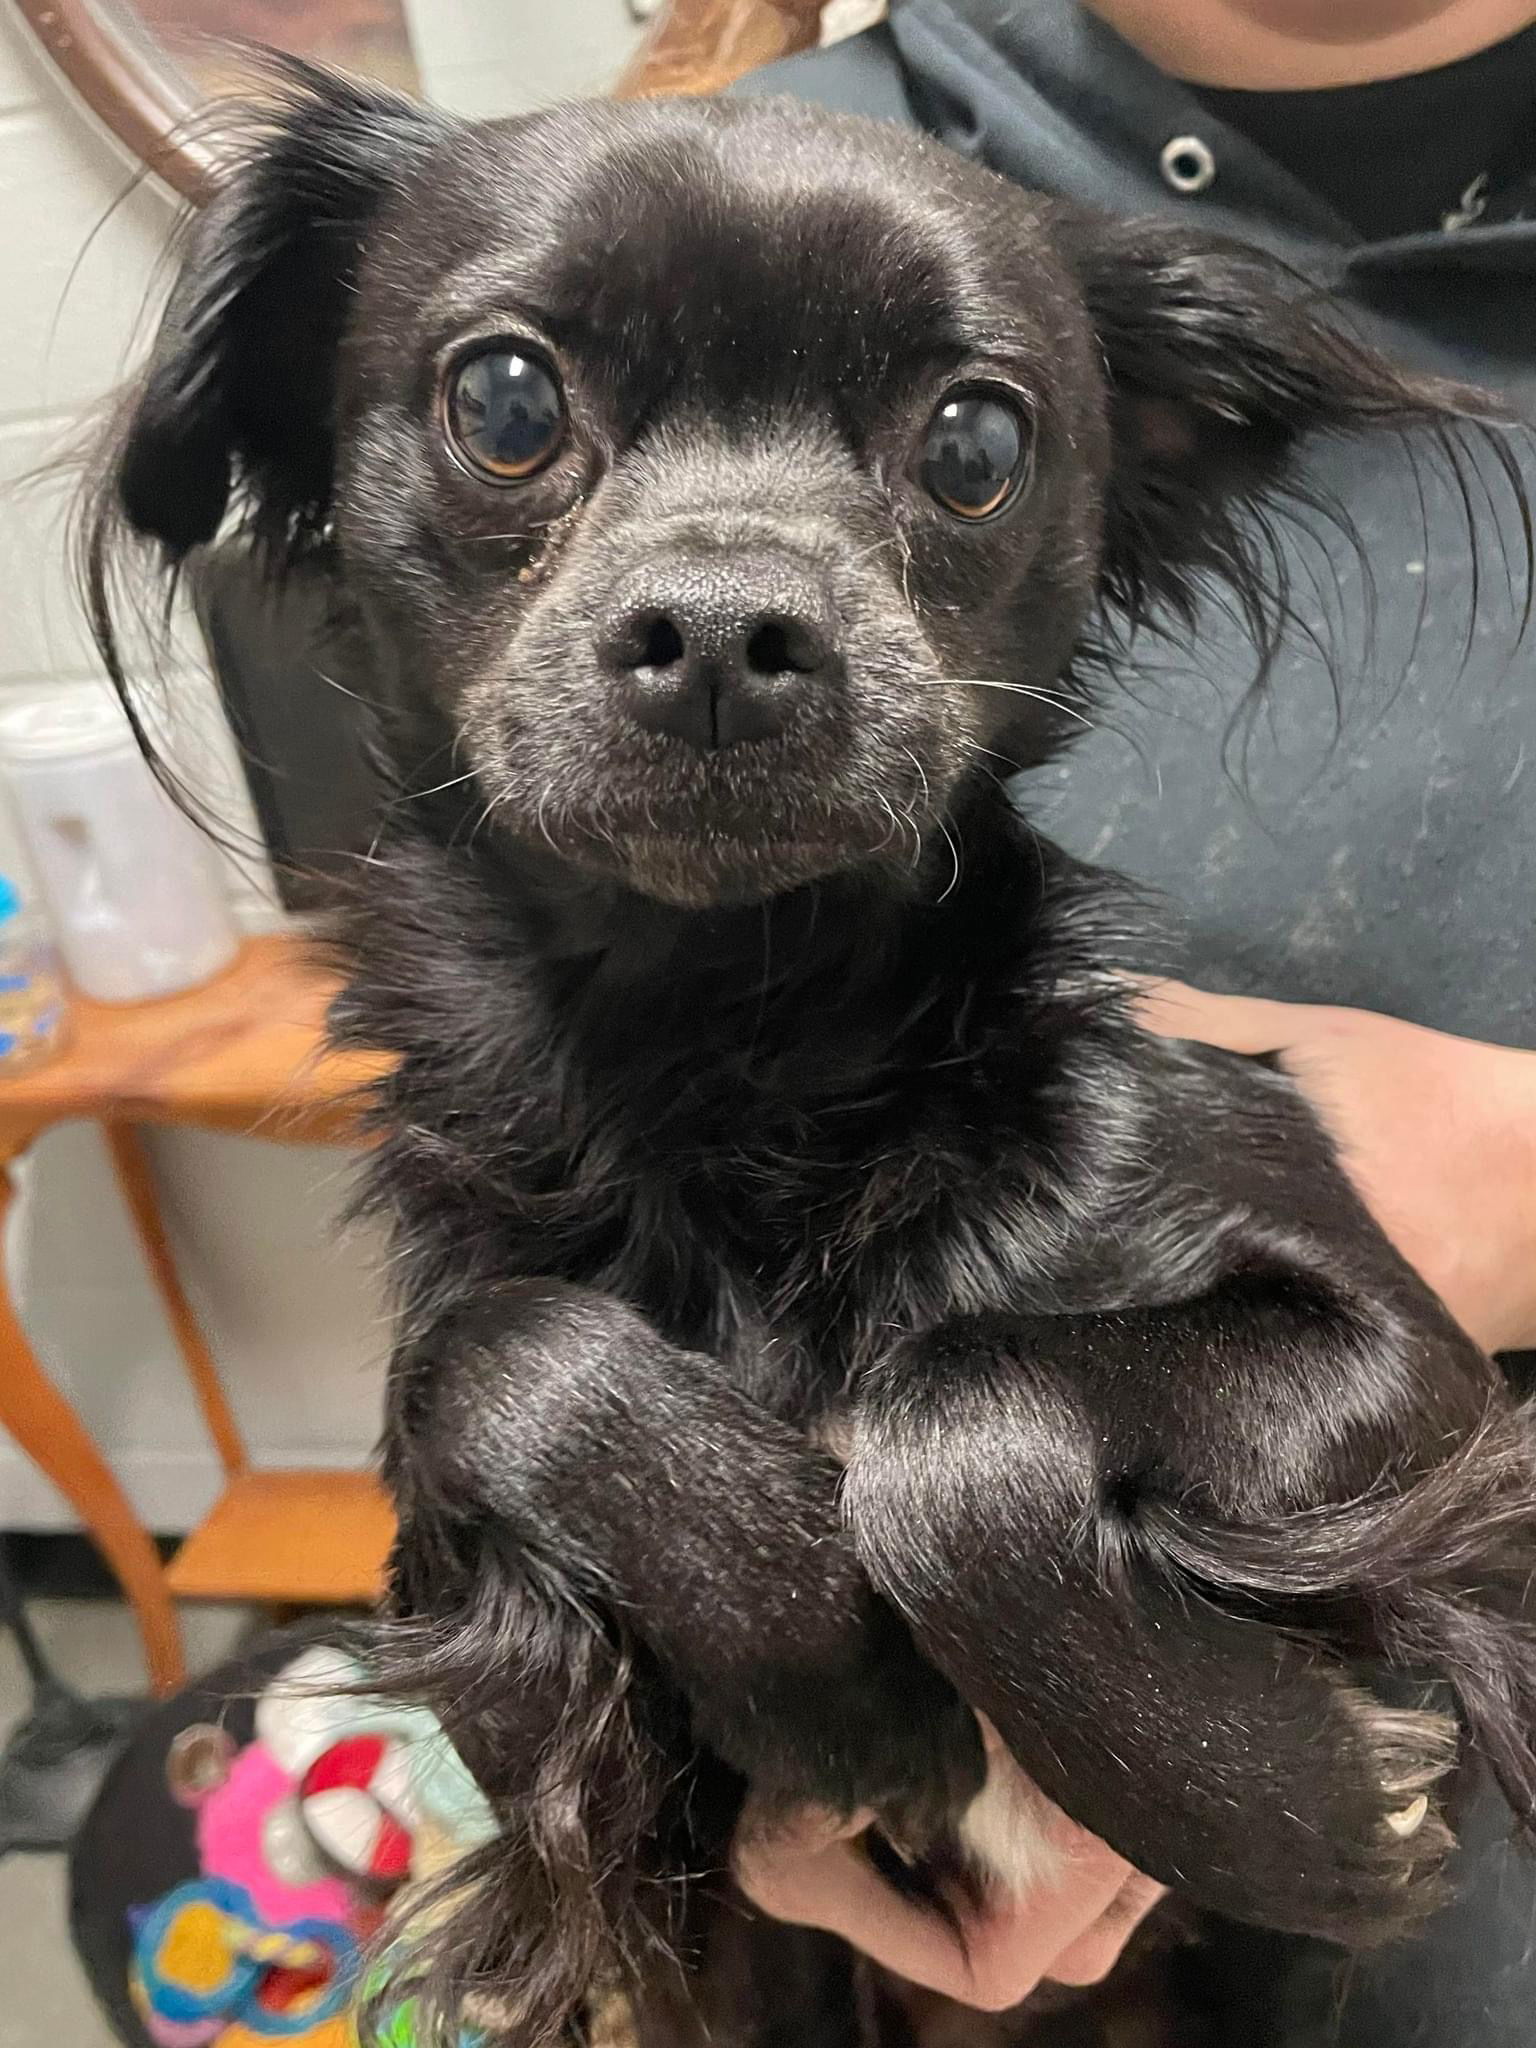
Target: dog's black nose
[[716, 651]]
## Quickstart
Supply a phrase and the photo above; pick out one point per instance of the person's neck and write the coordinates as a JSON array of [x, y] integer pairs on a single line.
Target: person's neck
[[1292, 45]]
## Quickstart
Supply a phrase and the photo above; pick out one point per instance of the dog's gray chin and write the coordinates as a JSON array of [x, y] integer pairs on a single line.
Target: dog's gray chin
[[699, 871], [698, 857], [697, 874]]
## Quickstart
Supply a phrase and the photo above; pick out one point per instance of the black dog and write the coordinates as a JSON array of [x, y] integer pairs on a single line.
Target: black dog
[[727, 498]]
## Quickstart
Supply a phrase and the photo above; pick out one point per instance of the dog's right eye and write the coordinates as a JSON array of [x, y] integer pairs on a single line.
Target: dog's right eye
[[977, 452], [504, 413]]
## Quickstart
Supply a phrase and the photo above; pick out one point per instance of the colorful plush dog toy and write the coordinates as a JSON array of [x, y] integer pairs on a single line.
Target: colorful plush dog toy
[[289, 1816]]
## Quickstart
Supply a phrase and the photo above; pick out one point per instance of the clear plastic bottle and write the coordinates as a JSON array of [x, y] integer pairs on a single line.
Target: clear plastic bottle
[[34, 1011]]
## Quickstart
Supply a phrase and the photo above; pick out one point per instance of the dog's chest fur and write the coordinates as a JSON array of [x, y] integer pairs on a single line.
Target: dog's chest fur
[[801, 1133]]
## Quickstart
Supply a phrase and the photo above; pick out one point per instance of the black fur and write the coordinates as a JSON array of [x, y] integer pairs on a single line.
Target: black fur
[[742, 1090]]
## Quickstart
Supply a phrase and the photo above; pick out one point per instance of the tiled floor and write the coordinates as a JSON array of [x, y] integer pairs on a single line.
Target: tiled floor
[[43, 1999]]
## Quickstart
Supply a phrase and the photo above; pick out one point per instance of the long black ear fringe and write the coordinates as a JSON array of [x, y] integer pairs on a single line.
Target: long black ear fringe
[[1221, 360], [239, 389], [1435, 1579], [229, 425], [569, 1900]]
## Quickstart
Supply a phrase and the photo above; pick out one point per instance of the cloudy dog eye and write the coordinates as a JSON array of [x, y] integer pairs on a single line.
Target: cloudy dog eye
[[976, 453], [504, 412]]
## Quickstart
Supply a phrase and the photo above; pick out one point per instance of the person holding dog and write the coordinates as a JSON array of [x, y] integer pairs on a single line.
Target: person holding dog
[[1368, 853]]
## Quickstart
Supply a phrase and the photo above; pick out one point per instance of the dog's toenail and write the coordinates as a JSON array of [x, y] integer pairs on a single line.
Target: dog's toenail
[[1409, 1819]]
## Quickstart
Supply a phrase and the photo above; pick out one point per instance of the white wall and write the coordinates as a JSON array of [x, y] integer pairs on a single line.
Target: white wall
[[291, 1307], [490, 57]]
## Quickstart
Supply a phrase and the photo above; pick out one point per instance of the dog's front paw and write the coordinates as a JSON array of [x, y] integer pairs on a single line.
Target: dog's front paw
[[888, 1737], [914, 1758], [1410, 1752]]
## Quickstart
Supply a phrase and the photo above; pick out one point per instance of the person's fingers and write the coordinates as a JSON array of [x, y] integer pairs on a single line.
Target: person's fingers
[[1246, 1024], [1091, 1958], [831, 1884], [1017, 1942], [808, 1871]]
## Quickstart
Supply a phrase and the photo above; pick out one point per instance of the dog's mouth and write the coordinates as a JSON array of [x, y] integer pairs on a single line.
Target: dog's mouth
[[696, 861], [691, 878], [697, 828]]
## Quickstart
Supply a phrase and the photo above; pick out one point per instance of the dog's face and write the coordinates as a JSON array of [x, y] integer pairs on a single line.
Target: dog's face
[[730, 484], [716, 473]]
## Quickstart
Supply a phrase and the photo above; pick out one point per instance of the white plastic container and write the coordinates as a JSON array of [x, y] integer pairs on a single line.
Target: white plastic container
[[133, 898]]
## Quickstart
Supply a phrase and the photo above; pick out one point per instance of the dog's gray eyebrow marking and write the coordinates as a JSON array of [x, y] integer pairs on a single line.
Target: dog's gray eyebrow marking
[[486, 289]]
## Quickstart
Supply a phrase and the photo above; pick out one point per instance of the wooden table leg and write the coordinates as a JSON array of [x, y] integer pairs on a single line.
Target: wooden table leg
[[52, 1435], [135, 1176]]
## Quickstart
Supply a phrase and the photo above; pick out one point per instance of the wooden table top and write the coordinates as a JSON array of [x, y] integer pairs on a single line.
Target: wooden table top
[[243, 1053]]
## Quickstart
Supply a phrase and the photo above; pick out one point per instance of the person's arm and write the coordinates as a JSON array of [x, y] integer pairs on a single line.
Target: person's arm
[[1439, 1135]]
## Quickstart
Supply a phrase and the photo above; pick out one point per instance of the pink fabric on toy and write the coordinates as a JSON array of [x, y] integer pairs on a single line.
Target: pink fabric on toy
[[231, 1840]]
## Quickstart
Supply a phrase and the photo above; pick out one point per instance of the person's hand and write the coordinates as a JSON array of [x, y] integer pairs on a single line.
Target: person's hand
[[1070, 1927], [1437, 1133]]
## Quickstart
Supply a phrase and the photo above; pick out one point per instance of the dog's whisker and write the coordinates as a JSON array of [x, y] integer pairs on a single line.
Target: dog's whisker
[[331, 682], [954, 848], [991, 773], [416, 796], [541, 819], [879, 547], [890, 811], [921, 776], [1022, 690], [484, 816], [908, 817]]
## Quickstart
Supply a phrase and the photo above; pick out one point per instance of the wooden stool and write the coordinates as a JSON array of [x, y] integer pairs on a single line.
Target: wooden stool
[[242, 1055], [703, 45]]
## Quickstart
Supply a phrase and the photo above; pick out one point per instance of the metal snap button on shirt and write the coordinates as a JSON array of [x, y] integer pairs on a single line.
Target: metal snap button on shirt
[[1187, 164]]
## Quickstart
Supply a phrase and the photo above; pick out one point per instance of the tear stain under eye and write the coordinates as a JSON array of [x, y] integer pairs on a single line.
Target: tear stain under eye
[[552, 537]]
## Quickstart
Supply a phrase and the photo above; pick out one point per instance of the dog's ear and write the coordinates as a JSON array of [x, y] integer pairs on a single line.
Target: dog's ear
[[239, 390], [1220, 359]]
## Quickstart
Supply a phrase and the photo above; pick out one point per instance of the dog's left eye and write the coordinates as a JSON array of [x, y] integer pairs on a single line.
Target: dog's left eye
[[977, 453], [505, 413]]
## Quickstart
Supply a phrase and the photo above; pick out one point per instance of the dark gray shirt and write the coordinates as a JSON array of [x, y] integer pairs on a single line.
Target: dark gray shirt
[[1377, 846]]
